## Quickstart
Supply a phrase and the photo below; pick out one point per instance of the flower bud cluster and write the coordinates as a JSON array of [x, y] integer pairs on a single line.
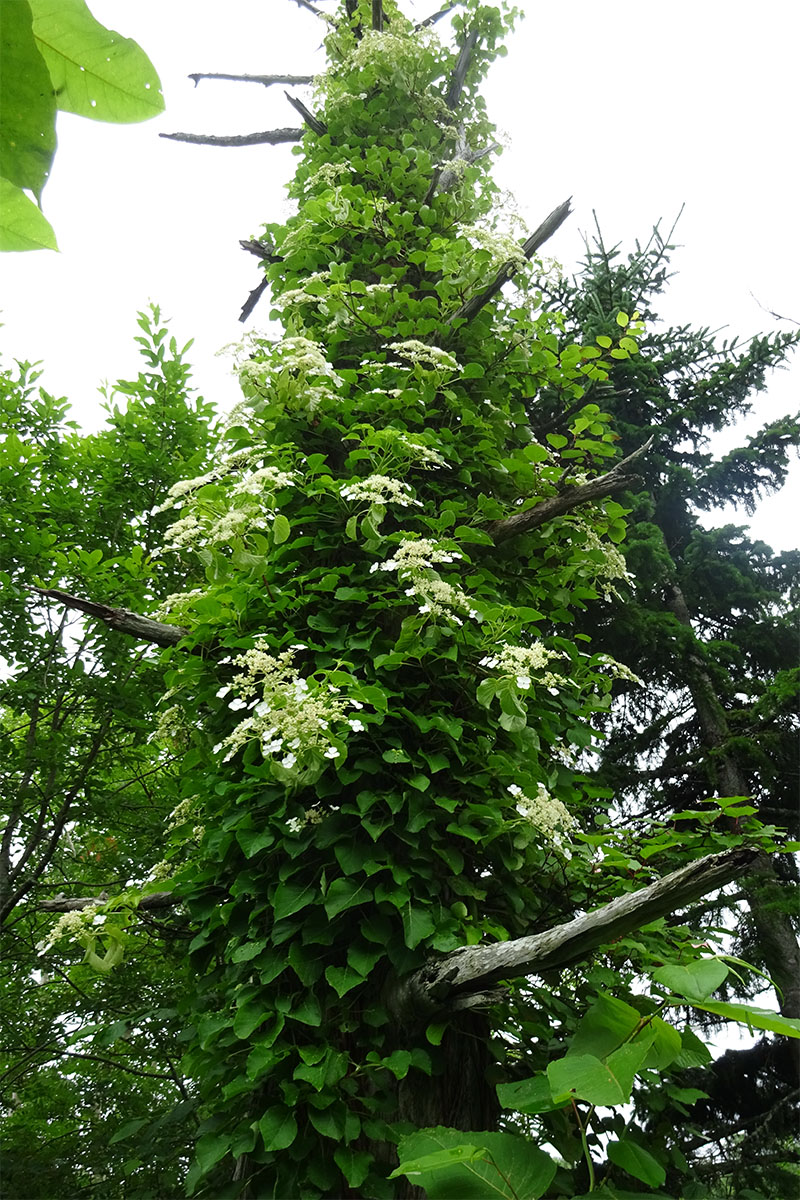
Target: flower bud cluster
[[546, 813], [520, 662], [379, 489], [71, 925]]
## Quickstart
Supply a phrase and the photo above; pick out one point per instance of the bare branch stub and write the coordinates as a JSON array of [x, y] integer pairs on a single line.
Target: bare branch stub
[[437, 16], [120, 619], [460, 70], [264, 80], [253, 299], [263, 250], [548, 227], [620, 476], [313, 123], [154, 900], [270, 137]]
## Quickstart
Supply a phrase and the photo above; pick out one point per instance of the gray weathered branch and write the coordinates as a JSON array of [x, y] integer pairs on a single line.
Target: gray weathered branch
[[121, 619], [437, 16], [619, 477], [61, 904], [545, 231], [271, 137], [262, 249], [445, 983], [264, 80]]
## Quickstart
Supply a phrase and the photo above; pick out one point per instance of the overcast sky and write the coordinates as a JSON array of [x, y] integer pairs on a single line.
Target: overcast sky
[[634, 111]]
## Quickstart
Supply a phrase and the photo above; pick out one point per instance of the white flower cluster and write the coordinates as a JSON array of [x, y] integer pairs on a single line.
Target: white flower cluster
[[548, 815], [618, 669], [415, 555], [301, 295], [182, 812], [429, 357], [209, 524], [70, 925], [287, 718], [521, 661], [177, 602], [184, 487], [501, 246], [397, 446], [171, 728], [442, 599], [311, 816], [610, 566], [295, 361], [328, 174], [379, 489]]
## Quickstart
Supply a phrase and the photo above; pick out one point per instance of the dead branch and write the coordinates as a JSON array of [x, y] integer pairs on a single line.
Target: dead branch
[[310, 8], [122, 619], [61, 904], [253, 299], [264, 80], [437, 16], [460, 70], [263, 250], [619, 477], [474, 969], [377, 15], [314, 124], [271, 137], [546, 230]]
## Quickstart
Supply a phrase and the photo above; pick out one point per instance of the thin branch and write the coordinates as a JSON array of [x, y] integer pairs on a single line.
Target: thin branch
[[271, 137], [314, 124], [771, 312], [121, 619], [545, 231], [264, 80], [310, 8], [619, 477], [475, 968]]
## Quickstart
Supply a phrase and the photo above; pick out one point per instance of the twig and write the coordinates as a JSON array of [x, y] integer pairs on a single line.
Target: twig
[[264, 80], [620, 476], [310, 8], [313, 123], [271, 137], [546, 230], [771, 312]]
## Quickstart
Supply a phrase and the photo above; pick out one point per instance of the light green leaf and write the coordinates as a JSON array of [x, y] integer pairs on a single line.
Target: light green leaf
[[696, 981], [637, 1162], [451, 1165], [754, 1018], [27, 106], [280, 529], [22, 226], [533, 1095], [95, 72]]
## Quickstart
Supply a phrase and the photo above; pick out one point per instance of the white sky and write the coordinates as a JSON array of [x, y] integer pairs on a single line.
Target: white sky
[[632, 110]]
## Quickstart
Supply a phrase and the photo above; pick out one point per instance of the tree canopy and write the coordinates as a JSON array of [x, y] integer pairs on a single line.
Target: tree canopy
[[399, 767]]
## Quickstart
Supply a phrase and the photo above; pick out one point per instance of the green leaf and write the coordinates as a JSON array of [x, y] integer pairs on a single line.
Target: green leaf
[[280, 529], [451, 1165], [95, 72], [695, 981], [637, 1162], [249, 1017], [22, 226], [344, 894], [27, 105], [533, 1095], [211, 1147], [278, 1128], [603, 1083], [343, 979], [417, 924], [291, 897], [754, 1018]]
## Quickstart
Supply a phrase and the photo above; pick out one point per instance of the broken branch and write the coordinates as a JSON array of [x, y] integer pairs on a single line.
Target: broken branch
[[620, 476], [264, 80], [121, 619], [545, 231], [313, 123], [474, 969]]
